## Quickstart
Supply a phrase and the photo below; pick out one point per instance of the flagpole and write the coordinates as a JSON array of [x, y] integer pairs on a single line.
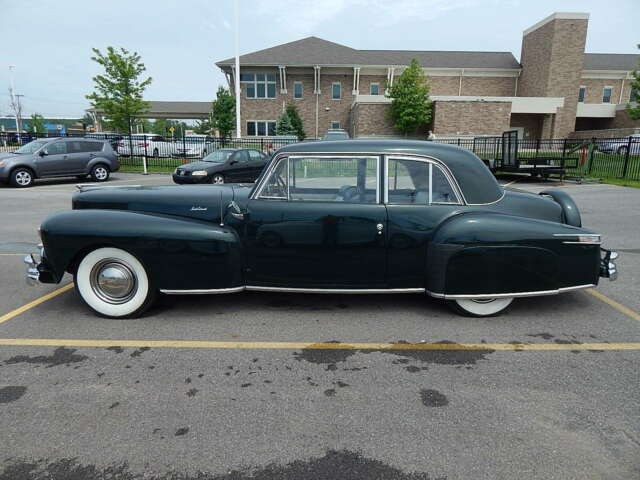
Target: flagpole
[[236, 77]]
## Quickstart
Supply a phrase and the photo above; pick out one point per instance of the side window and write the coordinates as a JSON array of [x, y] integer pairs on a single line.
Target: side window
[[93, 146], [255, 155], [74, 147], [276, 186], [57, 148], [326, 179], [241, 156], [418, 182]]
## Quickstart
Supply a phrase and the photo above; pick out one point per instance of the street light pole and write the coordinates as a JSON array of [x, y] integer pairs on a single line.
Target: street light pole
[[13, 99], [236, 77]]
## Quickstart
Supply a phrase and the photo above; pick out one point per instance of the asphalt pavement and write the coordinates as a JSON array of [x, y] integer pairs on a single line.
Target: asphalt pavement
[[253, 385]]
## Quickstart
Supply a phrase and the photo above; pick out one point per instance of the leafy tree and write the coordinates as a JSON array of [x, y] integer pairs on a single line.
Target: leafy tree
[[37, 123], [634, 111], [285, 126], [203, 127], [296, 121], [88, 120], [118, 92], [223, 112], [410, 104], [160, 126]]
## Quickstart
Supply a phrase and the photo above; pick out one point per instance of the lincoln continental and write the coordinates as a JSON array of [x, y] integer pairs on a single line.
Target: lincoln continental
[[354, 216]]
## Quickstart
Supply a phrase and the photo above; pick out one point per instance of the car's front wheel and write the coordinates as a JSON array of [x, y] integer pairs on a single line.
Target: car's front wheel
[[622, 150], [218, 179], [480, 307], [100, 173], [114, 283], [21, 177]]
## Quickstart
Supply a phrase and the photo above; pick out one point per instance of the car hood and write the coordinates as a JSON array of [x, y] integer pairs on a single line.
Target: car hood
[[203, 202], [6, 155], [208, 166]]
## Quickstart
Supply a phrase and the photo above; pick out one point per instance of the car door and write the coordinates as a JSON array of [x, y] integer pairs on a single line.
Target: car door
[[54, 160], [317, 222], [77, 157], [419, 196], [257, 162], [238, 167]]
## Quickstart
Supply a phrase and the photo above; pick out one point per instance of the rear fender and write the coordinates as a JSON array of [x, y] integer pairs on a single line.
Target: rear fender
[[570, 212], [179, 253], [489, 253]]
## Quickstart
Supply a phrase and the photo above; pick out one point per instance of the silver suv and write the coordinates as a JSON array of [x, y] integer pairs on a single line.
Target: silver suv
[[58, 157]]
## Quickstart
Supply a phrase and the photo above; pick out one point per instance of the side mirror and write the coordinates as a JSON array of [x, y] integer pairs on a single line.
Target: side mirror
[[236, 212], [233, 162], [42, 152]]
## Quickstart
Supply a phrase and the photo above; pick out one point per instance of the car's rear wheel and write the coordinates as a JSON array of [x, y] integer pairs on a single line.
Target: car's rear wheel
[[100, 173], [218, 179], [622, 150], [480, 307], [114, 283], [156, 154], [21, 177]]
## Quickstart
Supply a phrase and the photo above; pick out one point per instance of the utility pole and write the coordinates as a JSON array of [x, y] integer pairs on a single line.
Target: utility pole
[[15, 103], [236, 77]]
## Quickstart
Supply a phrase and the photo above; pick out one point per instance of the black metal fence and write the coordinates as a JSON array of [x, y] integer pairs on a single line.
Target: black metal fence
[[607, 157]]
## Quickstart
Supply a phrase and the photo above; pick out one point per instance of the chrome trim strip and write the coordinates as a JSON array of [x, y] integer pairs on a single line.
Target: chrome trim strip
[[584, 243], [577, 235], [258, 288], [514, 295], [203, 291]]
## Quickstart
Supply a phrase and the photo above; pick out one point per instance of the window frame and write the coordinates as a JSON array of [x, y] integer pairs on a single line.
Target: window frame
[[582, 88], [339, 84], [610, 94], [257, 194], [266, 127], [301, 90], [255, 82], [334, 122], [432, 162], [377, 84]]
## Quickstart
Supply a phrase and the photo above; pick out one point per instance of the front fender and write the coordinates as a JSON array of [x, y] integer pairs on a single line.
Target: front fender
[[178, 253], [490, 253]]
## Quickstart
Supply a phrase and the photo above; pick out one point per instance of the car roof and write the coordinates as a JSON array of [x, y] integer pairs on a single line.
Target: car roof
[[476, 181]]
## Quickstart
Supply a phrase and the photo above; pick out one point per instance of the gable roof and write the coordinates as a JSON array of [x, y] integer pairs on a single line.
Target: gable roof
[[611, 61], [316, 51]]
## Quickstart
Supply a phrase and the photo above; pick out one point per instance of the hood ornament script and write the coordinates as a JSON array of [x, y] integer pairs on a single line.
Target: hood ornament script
[[198, 209]]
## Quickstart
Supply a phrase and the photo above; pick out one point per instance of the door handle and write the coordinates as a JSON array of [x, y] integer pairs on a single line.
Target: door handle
[[380, 227]]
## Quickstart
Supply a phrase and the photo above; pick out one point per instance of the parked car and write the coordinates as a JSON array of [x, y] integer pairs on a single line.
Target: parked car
[[194, 146], [621, 145], [112, 138], [58, 157], [327, 217], [148, 144], [227, 165], [336, 134]]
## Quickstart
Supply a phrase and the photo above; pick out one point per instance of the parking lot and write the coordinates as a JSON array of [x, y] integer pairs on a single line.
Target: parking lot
[[263, 385]]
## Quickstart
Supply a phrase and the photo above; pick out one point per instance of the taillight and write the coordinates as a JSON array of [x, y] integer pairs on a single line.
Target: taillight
[[143, 144], [121, 144]]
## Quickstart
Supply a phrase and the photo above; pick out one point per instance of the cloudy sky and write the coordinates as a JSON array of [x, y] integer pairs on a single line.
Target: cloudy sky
[[50, 41]]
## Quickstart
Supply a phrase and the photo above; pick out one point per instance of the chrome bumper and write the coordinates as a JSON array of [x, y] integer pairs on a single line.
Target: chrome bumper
[[33, 274], [608, 268]]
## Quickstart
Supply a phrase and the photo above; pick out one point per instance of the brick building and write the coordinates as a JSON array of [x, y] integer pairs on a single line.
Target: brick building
[[555, 89]]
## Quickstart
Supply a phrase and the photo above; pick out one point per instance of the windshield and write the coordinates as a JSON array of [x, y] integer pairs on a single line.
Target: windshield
[[219, 156], [31, 147]]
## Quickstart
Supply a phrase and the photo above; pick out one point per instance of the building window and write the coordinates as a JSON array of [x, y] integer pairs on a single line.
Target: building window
[[259, 85], [261, 128], [374, 89], [297, 89], [581, 93], [606, 94], [336, 91], [335, 125], [634, 95]]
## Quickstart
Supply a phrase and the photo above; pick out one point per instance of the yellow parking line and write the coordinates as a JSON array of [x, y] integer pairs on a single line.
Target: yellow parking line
[[612, 303], [511, 183], [36, 302], [58, 342], [12, 254]]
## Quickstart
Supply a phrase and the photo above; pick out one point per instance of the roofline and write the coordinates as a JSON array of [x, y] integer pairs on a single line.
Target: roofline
[[557, 16], [361, 65]]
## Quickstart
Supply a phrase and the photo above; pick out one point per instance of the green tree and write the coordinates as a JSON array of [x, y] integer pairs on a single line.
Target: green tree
[[37, 123], [160, 126], [223, 112], [285, 126], [410, 104], [296, 121], [203, 127], [119, 90], [634, 110]]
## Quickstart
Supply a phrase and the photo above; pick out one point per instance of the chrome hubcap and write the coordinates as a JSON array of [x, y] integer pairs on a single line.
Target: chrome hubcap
[[113, 281], [23, 178], [483, 300], [218, 179], [101, 173]]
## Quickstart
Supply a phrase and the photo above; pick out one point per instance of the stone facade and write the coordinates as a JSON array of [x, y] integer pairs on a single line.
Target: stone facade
[[605, 133], [371, 120], [594, 89], [531, 123], [552, 62], [470, 118]]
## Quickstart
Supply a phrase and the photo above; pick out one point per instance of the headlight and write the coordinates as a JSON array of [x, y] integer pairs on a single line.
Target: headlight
[[199, 173], [1, 163]]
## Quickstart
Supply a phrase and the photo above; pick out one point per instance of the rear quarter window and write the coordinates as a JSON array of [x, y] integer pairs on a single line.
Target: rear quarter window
[[92, 146]]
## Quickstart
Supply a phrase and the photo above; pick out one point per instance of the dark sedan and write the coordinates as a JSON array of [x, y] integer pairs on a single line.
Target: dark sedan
[[227, 165]]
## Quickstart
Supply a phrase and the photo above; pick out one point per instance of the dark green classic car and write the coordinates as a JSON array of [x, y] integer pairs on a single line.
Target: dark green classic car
[[356, 216]]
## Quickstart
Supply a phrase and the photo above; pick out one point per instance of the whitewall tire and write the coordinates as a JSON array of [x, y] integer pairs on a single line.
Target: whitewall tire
[[114, 283], [481, 307]]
